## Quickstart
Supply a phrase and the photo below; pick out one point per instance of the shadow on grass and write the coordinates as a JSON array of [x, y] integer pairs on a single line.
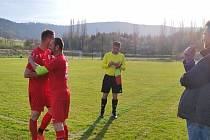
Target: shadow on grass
[[89, 131], [101, 134]]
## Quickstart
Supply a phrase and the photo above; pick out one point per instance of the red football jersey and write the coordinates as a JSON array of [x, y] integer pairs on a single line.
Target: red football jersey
[[37, 84], [58, 76]]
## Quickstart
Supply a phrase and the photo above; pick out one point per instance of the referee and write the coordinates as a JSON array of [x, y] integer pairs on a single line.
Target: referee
[[113, 63]]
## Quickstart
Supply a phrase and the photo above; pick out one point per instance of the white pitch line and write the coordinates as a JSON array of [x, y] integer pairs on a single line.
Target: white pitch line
[[3, 117]]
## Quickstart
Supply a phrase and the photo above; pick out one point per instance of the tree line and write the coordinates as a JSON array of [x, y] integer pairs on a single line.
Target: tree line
[[167, 42], [171, 42]]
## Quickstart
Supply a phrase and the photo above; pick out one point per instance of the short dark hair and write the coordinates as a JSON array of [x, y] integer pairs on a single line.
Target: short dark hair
[[116, 43], [47, 33], [208, 24], [59, 42]]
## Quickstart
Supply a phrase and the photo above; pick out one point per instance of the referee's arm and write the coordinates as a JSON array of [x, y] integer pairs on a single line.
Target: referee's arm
[[123, 63], [105, 64]]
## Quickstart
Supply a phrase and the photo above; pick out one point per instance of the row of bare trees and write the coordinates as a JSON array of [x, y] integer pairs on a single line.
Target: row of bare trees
[[167, 42]]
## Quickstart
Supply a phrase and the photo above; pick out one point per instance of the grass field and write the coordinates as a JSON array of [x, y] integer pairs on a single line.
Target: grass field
[[147, 108]]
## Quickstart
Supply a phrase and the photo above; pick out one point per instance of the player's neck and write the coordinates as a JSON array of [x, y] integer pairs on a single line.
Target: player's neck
[[115, 53], [58, 53], [42, 46]]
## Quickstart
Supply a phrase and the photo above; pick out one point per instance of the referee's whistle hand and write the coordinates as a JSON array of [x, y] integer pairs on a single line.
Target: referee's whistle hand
[[30, 59], [111, 63]]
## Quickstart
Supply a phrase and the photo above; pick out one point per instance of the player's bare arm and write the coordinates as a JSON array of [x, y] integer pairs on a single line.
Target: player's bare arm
[[117, 65], [29, 74], [111, 64], [39, 70], [31, 61]]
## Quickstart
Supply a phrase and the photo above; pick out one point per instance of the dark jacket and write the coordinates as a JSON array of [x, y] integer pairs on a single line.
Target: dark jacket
[[194, 103]]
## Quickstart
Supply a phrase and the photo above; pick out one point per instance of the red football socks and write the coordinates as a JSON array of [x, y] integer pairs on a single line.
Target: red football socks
[[66, 132], [45, 121], [60, 135], [33, 129]]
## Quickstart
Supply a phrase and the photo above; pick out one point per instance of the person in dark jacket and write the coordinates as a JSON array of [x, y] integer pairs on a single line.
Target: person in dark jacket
[[194, 105]]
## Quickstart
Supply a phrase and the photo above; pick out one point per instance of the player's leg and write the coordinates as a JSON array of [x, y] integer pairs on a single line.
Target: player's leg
[[33, 124], [114, 104], [59, 129], [48, 116], [60, 110], [66, 130], [45, 122], [66, 114], [106, 86], [36, 104], [103, 104], [116, 90]]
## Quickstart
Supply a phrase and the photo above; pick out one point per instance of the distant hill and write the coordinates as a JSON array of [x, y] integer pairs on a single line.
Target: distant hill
[[26, 30], [125, 27], [15, 30]]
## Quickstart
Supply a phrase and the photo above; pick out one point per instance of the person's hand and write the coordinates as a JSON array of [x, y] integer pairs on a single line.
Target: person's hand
[[189, 53], [30, 59], [110, 63], [117, 65]]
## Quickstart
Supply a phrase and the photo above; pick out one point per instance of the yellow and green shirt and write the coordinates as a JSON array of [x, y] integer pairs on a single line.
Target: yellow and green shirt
[[117, 58]]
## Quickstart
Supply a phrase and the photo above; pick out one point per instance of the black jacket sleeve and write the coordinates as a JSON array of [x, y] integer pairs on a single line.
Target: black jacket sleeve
[[197, 76], [188, 66]]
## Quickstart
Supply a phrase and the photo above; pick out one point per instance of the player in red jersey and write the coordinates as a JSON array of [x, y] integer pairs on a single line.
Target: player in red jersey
[[39, 94], [57, 67]]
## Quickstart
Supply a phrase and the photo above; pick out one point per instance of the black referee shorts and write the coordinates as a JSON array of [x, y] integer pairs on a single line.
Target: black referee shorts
[[109, 82]]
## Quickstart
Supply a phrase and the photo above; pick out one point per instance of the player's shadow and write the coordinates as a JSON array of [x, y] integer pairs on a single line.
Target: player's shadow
[[89, 131], [101, 134]]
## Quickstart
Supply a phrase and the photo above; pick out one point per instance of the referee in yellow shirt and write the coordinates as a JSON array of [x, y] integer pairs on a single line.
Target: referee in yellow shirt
[[113, 63]]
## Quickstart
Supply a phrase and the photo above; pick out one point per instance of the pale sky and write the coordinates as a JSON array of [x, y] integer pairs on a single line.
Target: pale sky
[[149, 12]]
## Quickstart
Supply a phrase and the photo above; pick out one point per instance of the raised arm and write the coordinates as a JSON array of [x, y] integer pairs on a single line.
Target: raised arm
[[29, 74], [39, 70], [197, 76], [123, 63], [189, 54]]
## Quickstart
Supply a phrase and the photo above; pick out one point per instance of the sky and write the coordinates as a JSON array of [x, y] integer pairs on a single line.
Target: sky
[[148, 12]]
